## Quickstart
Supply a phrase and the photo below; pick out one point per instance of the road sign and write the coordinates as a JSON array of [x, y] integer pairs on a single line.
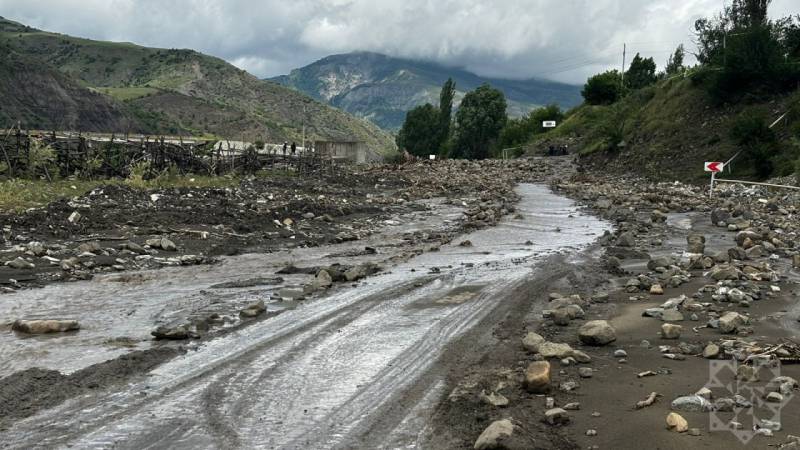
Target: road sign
[[432, 157], [549, 123], [714, 166]]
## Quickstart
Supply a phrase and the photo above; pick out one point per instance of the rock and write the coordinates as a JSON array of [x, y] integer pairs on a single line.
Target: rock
[[163, 332], [560, 317], [494, 435], [724, 404], [135, 248], [783, 384], [537, 377], [677, 423], [323, 279], [74, 218], [656, 289], [45, 326], [731, 321], [309, 215], [556, 416], [465, 243], [575, 406], [692, 403], [168, 246], [626, 239], [769, 425], [19, 263], [601, 297], [695, 243], [711, 351], [581, 357], [748, 374], [724, 272], [361, 271], [531, 342], [493, 399], [796, 261], [597, 332], [585, 372], [720, 217], [659, 261], [555, 350], [254, 309], [620, 353], [671, 331], [737, 254], [704, 392]]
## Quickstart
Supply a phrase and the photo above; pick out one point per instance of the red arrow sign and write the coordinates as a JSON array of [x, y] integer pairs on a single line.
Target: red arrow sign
[[714, 166]]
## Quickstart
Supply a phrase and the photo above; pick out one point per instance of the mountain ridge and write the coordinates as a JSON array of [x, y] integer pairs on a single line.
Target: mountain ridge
[[184, 91], [383, 88]]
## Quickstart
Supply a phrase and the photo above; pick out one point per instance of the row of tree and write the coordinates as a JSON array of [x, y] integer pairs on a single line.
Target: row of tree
[[478, 123], [481, 127], [739, 51]]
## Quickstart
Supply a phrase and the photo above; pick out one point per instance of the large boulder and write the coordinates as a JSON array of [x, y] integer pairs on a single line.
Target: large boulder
[[597, 332], [659, 261], [254, 309], [494, 436], [555, 350], [537, 377], [45, 326], [731, 321]]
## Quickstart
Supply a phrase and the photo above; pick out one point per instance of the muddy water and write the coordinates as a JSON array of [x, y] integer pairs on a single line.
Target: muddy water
[[314, 376]]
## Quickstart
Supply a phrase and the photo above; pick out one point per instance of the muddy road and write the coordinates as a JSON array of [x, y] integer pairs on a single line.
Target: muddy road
[[324, 372]]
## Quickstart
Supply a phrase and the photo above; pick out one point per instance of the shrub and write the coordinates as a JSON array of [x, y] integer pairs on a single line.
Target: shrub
[[603, 89], [757, 141]]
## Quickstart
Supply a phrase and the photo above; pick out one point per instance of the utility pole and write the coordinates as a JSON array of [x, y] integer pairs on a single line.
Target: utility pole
[[622, 78]]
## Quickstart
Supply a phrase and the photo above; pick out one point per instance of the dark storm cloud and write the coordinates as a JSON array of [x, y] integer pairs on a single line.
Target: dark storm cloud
[[564, 40]]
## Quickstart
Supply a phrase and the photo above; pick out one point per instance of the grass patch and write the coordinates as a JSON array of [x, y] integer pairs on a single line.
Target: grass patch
[[127, 93], [17, 195]]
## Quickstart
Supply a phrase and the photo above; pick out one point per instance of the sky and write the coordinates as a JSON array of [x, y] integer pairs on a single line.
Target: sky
[[562, 40]]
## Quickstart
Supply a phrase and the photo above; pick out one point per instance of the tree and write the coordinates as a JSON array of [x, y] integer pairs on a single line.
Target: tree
[[675, 62], [420, 132], [750, 130], [641, 73], [445, 110], [479, 120], [603, 89]]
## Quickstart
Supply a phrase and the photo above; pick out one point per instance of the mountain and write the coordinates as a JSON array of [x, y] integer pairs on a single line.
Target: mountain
[[382, 88], [178, 91], [33, 93]]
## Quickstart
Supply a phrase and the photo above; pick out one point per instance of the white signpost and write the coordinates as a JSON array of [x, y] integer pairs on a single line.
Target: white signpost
[[548, 124], [714, 167], [431, 157]]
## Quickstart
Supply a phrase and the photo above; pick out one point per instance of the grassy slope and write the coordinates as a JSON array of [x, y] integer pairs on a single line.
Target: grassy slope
[[149, 79], [669, 130]]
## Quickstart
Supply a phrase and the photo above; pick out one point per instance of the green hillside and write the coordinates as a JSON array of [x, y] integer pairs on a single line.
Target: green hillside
[[382, 89], [669, 129], [189, 92]]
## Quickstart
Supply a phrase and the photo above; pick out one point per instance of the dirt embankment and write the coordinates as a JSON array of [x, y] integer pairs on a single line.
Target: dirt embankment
[[697, 307]]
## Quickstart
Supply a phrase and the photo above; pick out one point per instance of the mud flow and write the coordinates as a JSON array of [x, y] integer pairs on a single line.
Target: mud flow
[[317, 375]]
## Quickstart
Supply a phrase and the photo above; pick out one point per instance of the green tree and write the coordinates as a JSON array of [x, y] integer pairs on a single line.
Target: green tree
[[747, 51], [445, 111], [603, 89], [675, 62], [420, 133], [479, 120], [756, 139], [641, 73]]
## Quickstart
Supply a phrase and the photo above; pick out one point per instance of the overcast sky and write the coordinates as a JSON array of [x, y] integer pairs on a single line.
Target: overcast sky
[[564, 40]]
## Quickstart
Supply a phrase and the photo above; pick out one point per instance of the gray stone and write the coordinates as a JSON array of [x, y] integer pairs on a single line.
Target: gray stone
[[495, 435], [692, 403], [731, 321], [670, 331], [597, 332], [532, 341], [626, 239], [556, 416], [537, 377]]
